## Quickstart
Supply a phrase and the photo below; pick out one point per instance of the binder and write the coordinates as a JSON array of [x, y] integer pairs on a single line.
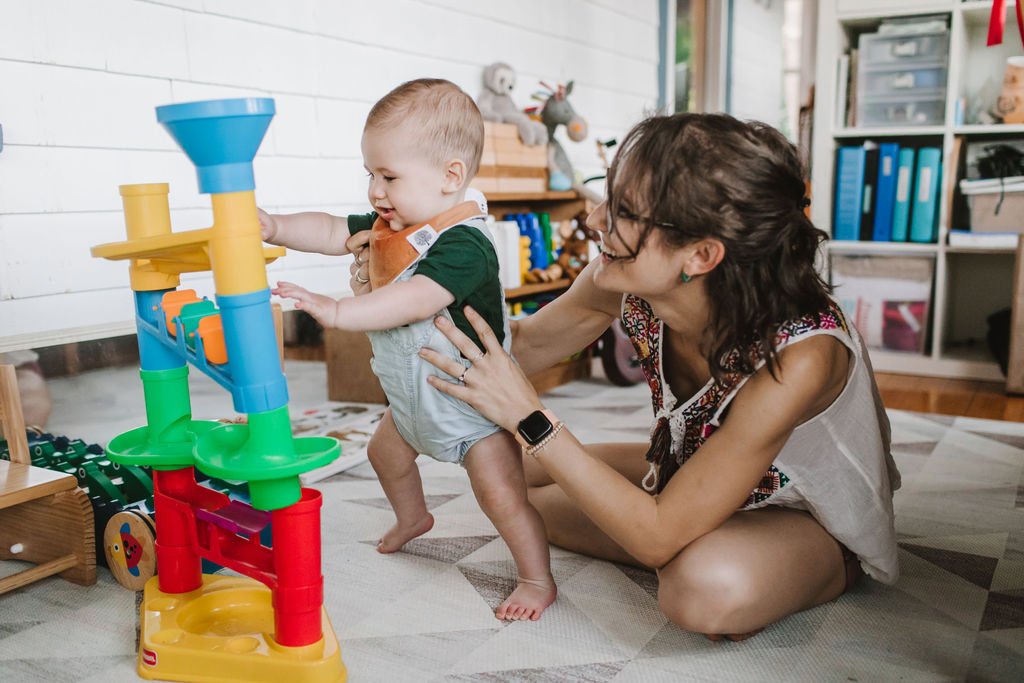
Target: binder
[[850, 162], [925, 200], [870, 182], [904, 188], [885, 191]]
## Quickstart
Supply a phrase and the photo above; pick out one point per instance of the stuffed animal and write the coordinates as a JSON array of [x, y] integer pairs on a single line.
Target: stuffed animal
[[555, 112], [575, 250], [496, 104]]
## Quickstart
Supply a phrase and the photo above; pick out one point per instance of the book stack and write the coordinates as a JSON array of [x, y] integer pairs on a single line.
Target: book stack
[[887, 193]]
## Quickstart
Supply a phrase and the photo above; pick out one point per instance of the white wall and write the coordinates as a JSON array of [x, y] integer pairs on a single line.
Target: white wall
[[755, 89], [79, 80]]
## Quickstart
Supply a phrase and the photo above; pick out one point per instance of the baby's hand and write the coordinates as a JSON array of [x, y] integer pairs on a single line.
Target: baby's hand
[[323, 308], [268, 226]]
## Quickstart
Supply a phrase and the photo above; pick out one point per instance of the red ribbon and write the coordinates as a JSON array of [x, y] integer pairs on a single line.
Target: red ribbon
[[997, 21]]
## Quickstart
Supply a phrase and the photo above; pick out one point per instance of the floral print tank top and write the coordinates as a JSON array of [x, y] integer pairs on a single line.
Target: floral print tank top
[[681, 427]]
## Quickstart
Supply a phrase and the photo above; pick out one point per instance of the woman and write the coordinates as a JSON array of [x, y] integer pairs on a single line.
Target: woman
[[768, 481]]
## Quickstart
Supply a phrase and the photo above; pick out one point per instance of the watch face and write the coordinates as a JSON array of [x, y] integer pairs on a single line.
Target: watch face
[[535, 427]]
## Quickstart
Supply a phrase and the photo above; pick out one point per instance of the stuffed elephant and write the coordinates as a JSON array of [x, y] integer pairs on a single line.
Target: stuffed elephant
[[496, 104]]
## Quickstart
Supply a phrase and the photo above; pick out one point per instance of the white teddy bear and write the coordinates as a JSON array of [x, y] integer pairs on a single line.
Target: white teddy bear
[[496, 104]]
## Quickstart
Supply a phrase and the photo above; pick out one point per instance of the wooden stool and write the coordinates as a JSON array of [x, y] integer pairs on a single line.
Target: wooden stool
[[45, 518]]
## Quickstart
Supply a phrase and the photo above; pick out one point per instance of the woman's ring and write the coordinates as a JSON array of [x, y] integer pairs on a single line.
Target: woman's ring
[[462, 378], [361, 280], [477, 357]]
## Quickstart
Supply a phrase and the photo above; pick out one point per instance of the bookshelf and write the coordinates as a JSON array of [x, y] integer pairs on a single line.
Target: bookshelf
[[968, 282]]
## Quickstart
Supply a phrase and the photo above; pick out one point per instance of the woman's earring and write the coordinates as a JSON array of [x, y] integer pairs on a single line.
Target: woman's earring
[[684, 277]]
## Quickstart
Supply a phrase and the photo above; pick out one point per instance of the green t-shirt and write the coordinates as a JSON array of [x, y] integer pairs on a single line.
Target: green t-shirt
[[464, 262]]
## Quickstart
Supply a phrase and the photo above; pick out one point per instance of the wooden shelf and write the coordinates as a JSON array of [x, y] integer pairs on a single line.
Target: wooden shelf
[[889, 131], [538, 288], [531, 196], [990, 129]]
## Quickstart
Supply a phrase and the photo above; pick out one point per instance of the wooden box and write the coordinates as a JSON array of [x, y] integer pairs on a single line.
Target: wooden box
[[508, 166]]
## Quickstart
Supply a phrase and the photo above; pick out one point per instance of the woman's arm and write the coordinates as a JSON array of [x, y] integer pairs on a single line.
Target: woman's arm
[[310, 231], [705, 492], [566, 325]]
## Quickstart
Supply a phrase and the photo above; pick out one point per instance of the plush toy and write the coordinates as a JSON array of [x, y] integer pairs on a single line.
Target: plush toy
[[575, 250], [496, 104], [555, 112]]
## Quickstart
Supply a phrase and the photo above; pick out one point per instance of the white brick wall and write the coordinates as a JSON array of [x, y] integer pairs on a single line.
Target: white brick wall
[[79, 81]]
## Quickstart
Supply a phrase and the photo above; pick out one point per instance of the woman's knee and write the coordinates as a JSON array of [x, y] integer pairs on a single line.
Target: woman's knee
[[706, 594]]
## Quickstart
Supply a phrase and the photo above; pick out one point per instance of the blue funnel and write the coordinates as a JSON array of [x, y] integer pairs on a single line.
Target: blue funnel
[[221, 138]]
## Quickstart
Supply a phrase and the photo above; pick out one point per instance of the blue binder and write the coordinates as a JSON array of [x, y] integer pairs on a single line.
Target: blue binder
[[850, 161], [885, 191], [904, 190], [925, 200]]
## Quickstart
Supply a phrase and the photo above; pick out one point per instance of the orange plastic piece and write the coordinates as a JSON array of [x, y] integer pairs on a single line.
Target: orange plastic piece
[[211, 331], [172, 303]]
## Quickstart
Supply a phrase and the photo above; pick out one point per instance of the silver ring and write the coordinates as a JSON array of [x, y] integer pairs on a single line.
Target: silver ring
[[477, 357], [359, 261], [462, 378], [360, 280]]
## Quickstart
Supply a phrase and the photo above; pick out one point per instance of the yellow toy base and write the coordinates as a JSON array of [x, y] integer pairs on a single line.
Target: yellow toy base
[[222, 632]]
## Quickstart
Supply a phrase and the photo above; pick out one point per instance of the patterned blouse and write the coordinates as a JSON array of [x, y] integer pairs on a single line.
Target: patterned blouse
[[689, 423]]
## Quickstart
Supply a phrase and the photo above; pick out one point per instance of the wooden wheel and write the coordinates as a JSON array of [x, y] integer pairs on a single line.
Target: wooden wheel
[[129, 546]]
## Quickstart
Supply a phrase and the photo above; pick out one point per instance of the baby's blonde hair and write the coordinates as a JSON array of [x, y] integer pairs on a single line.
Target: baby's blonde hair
[[449, 119]]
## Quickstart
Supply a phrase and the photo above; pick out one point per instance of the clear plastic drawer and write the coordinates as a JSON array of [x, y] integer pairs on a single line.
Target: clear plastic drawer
[[901, 111], [879, 50], [899, 82]]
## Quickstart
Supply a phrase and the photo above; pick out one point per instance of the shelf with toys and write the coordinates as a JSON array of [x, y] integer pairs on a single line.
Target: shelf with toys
[[566, 254]]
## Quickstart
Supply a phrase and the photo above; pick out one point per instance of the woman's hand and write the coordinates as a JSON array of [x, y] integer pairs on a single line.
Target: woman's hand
[[494, 384], [358, 245]]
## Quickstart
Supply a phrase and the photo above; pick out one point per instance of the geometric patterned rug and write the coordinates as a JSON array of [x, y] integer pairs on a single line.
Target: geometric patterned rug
[[425, 614]]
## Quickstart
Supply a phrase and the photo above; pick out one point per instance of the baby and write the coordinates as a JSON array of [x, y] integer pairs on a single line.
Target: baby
[[432, 255]]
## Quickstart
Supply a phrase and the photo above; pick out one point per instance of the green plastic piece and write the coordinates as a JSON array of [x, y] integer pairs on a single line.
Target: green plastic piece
[[264, 453], [168, 440], [168, 406], [190, 316]]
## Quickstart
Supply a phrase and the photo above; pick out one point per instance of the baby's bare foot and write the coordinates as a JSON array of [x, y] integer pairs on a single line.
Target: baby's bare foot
[[397, 536], [528, 601], [734, 637]]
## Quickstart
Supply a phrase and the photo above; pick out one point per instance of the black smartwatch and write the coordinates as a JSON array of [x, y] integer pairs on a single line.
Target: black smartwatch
[[535, 427]]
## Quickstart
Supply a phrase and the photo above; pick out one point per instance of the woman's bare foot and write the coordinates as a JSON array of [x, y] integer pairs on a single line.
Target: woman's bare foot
[[528, 601], [397, 536]]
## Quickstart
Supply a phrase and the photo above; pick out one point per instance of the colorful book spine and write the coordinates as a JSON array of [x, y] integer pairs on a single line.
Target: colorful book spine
[[849, 196], [870, 182], [924, 215], [885, 191], [904, 188]]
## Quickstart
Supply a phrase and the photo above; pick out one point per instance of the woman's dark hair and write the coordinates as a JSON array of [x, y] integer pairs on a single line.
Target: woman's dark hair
[[711, 175]]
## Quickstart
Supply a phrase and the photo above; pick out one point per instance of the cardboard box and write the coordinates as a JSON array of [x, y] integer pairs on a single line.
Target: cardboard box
[[349, 377], [888, 298], [996, 205]]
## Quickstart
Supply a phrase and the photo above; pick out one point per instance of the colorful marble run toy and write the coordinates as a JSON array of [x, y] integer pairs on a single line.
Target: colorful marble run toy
[[269, 624]]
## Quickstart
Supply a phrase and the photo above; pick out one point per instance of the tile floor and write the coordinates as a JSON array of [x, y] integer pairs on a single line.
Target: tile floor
[[957, 613]]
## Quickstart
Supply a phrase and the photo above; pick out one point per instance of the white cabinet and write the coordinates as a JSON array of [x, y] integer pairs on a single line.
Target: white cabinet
[[969, 282]]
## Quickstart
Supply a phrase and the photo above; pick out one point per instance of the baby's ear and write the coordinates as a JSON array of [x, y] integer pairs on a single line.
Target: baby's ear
[[455, 177]]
